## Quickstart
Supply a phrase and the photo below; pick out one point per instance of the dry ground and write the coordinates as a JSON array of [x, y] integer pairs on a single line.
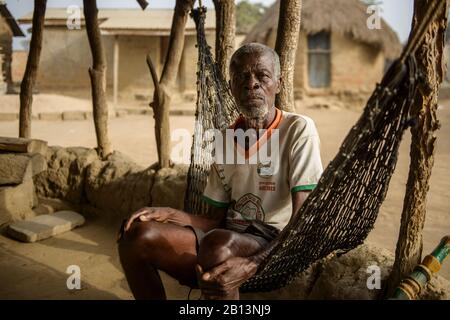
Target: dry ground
[[38, 270]]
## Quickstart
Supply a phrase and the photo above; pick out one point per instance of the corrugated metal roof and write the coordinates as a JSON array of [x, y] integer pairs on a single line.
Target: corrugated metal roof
[[158, 20]]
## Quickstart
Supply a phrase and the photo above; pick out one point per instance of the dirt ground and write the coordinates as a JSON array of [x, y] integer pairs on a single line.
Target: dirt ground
[[38, 270]]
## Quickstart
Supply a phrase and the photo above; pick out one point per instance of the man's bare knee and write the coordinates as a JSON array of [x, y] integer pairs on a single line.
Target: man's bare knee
[[215, 248], [140, 238]]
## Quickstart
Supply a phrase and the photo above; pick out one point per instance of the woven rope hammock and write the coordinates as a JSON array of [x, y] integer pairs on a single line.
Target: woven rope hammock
[[216, 109], [338, 215]]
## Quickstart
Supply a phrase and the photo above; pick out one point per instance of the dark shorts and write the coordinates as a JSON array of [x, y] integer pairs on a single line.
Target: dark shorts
[[260, 232]]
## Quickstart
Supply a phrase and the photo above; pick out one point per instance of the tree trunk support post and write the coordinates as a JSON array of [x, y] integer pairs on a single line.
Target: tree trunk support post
[[98, 78], [225, 33], [164, 88], [430, 59], [286, 47], [29, 77], [116, 71]]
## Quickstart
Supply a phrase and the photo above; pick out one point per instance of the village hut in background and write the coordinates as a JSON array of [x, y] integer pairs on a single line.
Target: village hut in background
[[8, 29], [338, 55], [128, 36]]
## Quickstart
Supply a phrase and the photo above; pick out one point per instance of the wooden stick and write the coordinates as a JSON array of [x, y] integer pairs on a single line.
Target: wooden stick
[[156, 106], [29, 77], [98, 78], [430, 61], [143, 4], [225, 33], [286, 47], [161, 98]]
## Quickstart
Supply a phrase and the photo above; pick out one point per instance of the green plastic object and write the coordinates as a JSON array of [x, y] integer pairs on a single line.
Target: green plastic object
[[410, 287]]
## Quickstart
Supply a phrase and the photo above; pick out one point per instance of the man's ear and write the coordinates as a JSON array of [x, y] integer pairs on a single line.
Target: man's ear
[[279, 81]]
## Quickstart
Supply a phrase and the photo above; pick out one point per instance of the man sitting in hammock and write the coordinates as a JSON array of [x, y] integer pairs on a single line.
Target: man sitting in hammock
[[250, 204]]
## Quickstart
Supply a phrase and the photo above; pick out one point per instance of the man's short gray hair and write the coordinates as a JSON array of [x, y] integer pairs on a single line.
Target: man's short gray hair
[[257, 48]]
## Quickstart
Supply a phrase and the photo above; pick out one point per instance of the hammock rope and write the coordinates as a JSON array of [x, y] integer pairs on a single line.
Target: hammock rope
[[215, 109], [340, 212]]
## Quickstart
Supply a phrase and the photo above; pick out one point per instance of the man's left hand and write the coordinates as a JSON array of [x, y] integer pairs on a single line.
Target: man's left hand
[[226, 277]]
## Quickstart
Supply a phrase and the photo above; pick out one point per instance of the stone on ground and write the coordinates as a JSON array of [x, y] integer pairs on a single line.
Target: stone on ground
[[22, 145], [73, 115], [16, 202], [38, 163], [17, 192], [41, 209], [49, 206], [64, 177], [57, 204], [45, 226], [15, 169]]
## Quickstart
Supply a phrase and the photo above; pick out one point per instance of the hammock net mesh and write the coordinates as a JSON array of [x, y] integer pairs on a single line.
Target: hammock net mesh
[[215, 109]]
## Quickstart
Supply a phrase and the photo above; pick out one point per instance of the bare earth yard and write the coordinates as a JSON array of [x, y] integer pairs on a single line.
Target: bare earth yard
[[38, 270]]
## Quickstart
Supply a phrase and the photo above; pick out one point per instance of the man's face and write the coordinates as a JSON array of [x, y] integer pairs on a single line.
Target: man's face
[[254, 85]]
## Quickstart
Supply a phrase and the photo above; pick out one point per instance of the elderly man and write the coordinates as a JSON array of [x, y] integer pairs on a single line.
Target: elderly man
[[250, 203]]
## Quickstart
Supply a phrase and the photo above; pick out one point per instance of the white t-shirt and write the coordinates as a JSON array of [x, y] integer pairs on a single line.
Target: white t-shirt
[[261, 188]]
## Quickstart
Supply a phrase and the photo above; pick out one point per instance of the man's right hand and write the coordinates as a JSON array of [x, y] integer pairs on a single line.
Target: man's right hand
[[159, 214]]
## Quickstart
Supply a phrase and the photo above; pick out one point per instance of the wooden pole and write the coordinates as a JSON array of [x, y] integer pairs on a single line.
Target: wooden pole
[[98, 78], [116, 71], [155, 104], [143, 4], [29, 77], [430, 59], [225, 33], [7, 65], [163, 90], [286, 47], [176, 42]]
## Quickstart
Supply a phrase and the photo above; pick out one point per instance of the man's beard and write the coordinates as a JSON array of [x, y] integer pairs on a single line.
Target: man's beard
[[255, 116]]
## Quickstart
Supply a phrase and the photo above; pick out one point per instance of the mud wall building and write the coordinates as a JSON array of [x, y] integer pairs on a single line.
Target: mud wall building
[[8, 29], [128, 35]]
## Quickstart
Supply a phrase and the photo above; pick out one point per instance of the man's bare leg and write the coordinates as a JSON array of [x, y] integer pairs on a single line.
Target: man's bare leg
[[151, 246], [219, 245]]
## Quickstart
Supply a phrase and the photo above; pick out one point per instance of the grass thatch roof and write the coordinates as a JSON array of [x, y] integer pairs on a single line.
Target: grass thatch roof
[[347, 17]]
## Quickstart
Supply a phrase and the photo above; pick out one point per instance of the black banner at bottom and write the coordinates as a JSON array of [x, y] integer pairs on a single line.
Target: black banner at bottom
[[200, 309]]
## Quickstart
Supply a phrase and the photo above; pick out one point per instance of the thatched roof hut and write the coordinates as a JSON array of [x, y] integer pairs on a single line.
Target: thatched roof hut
[[346, 17], [354, 50]]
